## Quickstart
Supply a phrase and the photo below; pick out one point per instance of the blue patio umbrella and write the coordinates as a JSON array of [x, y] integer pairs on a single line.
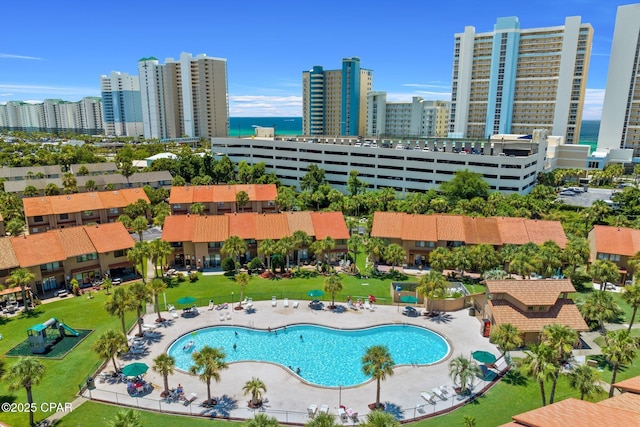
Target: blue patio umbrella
[[186, 300], [409, 299], [484, 357], [315, 293], [135, 369]]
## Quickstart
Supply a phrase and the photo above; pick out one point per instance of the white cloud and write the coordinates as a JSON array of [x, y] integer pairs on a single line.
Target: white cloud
[[264, 106], [6, 94], [10, 56], [593, 100], [41, 91]]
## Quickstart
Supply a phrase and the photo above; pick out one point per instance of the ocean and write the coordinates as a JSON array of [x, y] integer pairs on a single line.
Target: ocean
[[589, 133], [244, 126]]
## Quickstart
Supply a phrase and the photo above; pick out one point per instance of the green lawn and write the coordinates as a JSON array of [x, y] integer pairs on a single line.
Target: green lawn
[[624, 372]]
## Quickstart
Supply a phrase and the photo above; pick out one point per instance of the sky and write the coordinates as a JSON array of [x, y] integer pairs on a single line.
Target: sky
[[59, 49]]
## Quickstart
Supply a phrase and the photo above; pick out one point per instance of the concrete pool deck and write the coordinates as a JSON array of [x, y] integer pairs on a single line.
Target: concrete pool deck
[[288, 397]]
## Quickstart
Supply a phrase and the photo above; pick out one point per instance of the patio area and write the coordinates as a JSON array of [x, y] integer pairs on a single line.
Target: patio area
[[289, 397]]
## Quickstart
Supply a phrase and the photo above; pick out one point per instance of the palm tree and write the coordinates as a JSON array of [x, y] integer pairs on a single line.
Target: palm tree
[[139, 225], [539, 366], [22, 277], [109, 344], [353, 244], [377, 363], [164, 365], [604, 271], [548, 259], [118, 305], [242, 279], [26, 372], [333, 285], [576, 253], [242, 199], [138, 255], [631, 296], [381, 419], [461, 258], [233, 247], [634, 264], [463, 370], [197, 208], [139, 295], [431, 286], [561, 339], [440, 259], [255, 387], [619, 349], [323, 419], [521, 264], [126, 418], [601, 307], [266, 248], [207, 364], [374, 247], [468, 421], [494, 274], [156, 287], [261, 420], [300, 240], [284, 247], [586, 380], [159, 250], [507, 337], [394, 254]]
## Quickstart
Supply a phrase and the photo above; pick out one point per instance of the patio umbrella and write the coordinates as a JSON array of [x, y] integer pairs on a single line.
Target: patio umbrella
[[315, 293], [409, 299], [484, 357], [186, 300], [135, 369]]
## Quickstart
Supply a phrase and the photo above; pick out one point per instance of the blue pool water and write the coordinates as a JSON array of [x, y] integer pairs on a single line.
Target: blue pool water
[[325, 356]]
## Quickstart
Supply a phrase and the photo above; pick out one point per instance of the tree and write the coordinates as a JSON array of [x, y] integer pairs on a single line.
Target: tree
[[353, 244], [354, 185], [107, 284], [463, 371], [284, 246], [83, 171], [255, 387], [431, 286], [233, 247], [110, 343], [138, 254], [538, 365], [394, 254], [242, 199], [468, 421], [507, 337], [90, 185], [631, 295], [374, 247], [139, 225], [197, 208], [320, 248], [126, 418], [118, 305], [139, 295], [600, 307], [51, 190], [23, 278], [159, 250], [286, 198], [136, 209], [377, 363], [156, 287], [586, 380], [126, 221], [548, 258], [604, 271], [440, 259], [207, 364], [561, 339], [313, 179], [576, 253], [26, 373], [30, 191], [69, 183], [461, 259], [266, 248], [333, 285], [465, 185], [323, 419], [15, 227], [619, 349], [164, 365], [381, 419], [261, 420], [300, 240], [242, 279]]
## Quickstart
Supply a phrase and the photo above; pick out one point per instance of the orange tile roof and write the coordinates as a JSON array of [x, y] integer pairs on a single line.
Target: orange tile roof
[[616, 240], [74, 241], [564, 311], [631, 384], [221, 193], [450, 228], [540, 231], [625, 401], [179, 228], [272, 226], [36, 206], [121, 198], [224, 193], [181, 195], [201, 194], [387, 224], [71, 203], [571, 412], [329, 224], [482, 231], [37, 249], [300, 221], [265, 192], [531, 292], [242, 225], [8, 257], [80, 202], [109, 237], [210, 228], [419, 228], [513, 231]]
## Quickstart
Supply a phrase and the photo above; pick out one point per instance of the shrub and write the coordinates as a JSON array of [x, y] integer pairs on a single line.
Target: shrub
[[193, 276], [228, 264], [255, 264], [75, 287]]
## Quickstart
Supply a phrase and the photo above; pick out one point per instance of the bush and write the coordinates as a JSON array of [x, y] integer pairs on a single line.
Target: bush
[[305, 274], [75, 287], [255, 264], [228, 264], [193, 276]]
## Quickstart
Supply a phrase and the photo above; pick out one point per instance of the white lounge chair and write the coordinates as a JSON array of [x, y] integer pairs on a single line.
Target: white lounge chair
[[439, 393], [325, 409], [343, 415], [250, 303], [312, 409], [296, 304], [174, 315], [352, 414], [274, 301], [221, 316], [428, 396], [211, 305], [286, 302], [367, 305], [228, 315]]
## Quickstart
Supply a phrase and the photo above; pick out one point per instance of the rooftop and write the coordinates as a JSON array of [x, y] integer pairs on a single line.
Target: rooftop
[[616, 240], [531, 292]]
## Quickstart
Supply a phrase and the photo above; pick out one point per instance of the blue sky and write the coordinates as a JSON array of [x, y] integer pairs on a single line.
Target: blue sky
[[59, 49]]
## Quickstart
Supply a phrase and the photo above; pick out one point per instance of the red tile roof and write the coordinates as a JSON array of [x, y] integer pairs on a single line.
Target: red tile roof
[[450, 228], [210, 228], [564, 312], [329, 224], [540, 231], [482, 231], [300, 221], [191, 194], [37, 249], [242, 225], [74, 241], [109, 237], [80, 202], [272, 226], [625, 401], [531, 292], [513, 231], [224, 193], [8, 257], [179, 228], [387, 225], [121, 198], [631, 384], [71, 203], [615, 240], [419, 228]]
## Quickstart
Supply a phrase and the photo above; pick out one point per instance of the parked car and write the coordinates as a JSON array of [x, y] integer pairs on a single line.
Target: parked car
[[117, 281], [410, 312], [567, 193], [61, 293]]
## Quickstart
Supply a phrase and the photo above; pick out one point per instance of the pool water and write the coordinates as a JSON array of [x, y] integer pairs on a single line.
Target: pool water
[[319, 355]]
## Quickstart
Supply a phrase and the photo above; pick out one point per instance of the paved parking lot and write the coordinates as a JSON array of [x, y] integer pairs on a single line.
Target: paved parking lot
[[585, 200]]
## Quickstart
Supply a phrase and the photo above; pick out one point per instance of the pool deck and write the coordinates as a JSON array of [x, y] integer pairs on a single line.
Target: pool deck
[[288, 397]]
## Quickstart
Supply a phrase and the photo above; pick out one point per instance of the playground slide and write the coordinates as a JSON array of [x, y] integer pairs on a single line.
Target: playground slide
[[70, 330]]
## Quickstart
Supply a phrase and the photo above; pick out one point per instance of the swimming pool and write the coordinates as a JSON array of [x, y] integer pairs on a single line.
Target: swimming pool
[[324, 356]]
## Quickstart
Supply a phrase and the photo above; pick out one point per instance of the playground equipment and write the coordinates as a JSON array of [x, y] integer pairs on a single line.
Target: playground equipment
[[40, 341]]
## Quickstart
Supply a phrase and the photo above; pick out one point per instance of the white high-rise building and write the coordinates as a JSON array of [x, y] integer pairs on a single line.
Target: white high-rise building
[[620, 123], [53, 115], [185, 97], [121, 107]]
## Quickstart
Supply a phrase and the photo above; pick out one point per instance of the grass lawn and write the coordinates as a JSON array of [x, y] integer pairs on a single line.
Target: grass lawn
[[624, 372]]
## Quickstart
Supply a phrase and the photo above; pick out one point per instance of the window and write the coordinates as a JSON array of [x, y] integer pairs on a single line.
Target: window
[[118, 254], [177, 206], [215, 245], [114, 211], [271, 203], [51, 266], [221, 204], [38, 218], [64, 217], [423, 244], [87, 257]]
